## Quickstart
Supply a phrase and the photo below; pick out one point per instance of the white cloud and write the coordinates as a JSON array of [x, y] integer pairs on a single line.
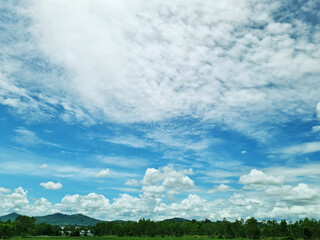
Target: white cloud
[[51, 185], [243, 152], [184, 138], [218, 68], [4, 190], [239, 200], [302, 192], [307, 171], [256, 177], [15, 201], [153, 191], [128, 162], [193, 205], [315, 128], [126, 189], [132, 183], [318, 110], [40, 207], [292, 202], [88, 204], [168, 177], [29, 138], [57, 169], [103, 173], [303, 148], [220, 188], [130, 141], [44, 166]]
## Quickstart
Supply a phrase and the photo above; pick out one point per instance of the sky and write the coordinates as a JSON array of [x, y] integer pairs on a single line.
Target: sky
[[159, 109]]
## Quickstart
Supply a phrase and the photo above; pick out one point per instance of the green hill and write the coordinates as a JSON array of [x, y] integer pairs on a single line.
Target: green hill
[[64, 219], [182, 220], [58, 219], [11, 216]]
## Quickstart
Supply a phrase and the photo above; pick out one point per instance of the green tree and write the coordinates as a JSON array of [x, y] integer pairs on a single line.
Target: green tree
[[252, 228], [6, 230], [25, 225]]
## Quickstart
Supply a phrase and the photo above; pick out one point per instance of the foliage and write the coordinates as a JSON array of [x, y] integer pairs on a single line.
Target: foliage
[[307, 229]]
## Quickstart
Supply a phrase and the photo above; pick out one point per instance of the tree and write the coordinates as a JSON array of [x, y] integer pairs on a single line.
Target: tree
[[25, 225], [44, 229], [252, 228], [6, 230]]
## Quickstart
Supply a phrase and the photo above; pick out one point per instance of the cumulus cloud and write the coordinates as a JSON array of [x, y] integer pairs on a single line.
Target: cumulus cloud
[[168, 177], [4, 190], [103, 173], [301, 192], [239, 200], [285, 201], [256, 177], [153, 191], [220, 188], [40, 207], [15, 201], [51, 185], [86, 204]]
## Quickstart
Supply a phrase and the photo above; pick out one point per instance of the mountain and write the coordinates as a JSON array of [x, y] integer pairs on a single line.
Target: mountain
[[11, 216], [58, 219], [75, 219], [64, 219], [182, 220]]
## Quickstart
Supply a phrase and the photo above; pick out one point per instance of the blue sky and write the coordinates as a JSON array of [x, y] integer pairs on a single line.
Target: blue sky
[[159, 109]]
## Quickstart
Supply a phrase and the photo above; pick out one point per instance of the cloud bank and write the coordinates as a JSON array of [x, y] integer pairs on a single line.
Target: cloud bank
[[273, 201]]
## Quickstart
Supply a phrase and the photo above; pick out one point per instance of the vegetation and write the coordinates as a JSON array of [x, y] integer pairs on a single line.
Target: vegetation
[[25, 226], [117, 238]]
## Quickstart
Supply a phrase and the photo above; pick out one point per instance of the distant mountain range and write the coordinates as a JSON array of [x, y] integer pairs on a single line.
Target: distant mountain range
[[182, 220], [11, 216], [58, 219], [75, 219]]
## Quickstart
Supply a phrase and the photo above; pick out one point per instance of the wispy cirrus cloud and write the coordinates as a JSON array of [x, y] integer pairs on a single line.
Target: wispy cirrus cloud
[[303, 148], [29, 138], [130, 141], [61, 170], [129, 162]]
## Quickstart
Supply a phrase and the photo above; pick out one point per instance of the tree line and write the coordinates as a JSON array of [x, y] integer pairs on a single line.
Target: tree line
[[251, 228]]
